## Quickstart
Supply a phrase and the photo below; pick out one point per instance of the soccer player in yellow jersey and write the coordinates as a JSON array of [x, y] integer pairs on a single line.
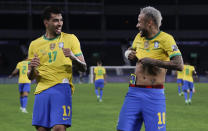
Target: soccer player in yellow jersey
[[188, 85], [180, 82], [52, 57], [24, 83], [99, 80], [155, 51]]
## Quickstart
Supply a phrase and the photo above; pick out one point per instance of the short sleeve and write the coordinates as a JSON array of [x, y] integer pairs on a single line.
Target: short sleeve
[[193, 68], [171, 48], [30, 52], [76, 49], [18, 66], [136, 40], [104, 71], [95, 70]]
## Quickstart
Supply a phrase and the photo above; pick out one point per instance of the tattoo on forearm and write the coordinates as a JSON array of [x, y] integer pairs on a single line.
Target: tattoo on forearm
[[176, 63]]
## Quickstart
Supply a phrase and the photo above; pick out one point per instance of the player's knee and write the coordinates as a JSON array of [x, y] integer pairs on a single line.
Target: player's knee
[[59, 128], [25, 94], [39, 128], [187, 91]]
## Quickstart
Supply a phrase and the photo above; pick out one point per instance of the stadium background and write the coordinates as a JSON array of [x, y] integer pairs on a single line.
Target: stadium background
[[105, 28]]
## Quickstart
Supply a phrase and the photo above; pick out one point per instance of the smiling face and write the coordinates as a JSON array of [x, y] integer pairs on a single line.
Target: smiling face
[[142, 25], [54, 24]]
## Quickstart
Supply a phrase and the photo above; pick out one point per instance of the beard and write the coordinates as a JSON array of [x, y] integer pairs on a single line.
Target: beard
[[54, 30], [143, 33], [57, 33]]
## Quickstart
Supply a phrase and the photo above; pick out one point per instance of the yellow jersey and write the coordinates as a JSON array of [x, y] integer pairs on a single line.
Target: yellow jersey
[[180, 74], [161, 47], [54, 67], [99, 72], [23, 69], [188, 73]]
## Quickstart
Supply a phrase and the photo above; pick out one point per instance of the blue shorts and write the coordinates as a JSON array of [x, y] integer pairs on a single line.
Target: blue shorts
[[180, 81], [187, 85], [53, 107], [99, 83], [24, 87], [143, 105]]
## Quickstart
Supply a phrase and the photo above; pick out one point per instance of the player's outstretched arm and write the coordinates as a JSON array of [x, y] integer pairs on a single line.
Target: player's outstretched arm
[[175, 63], [15, 71], [104, 78], [78, 61], [195, 74]]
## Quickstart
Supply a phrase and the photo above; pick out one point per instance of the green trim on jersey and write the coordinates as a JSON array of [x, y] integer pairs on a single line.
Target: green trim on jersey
[[78, 54], [153, 36], [174, 55], [45, 38]]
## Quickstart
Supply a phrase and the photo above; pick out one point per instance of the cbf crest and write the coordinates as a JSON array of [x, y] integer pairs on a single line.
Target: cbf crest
[[156, 44], [52, 46], [61, 44], [146, 44]]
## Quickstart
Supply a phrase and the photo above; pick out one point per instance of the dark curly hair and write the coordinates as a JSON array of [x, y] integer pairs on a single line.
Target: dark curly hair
[[50, 9]]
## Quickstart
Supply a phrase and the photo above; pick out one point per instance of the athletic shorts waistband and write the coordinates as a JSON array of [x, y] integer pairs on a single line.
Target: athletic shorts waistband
[[147, 86]]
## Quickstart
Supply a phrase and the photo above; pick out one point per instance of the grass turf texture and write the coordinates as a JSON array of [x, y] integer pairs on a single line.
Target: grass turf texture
[[89, 115]]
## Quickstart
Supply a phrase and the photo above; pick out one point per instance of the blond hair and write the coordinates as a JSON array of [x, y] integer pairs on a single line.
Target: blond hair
[[152, 13]]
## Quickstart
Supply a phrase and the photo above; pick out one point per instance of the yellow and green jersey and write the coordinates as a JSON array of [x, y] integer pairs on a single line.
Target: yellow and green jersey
[[23, 69], [54, 67], [161, 47], [188, 73], [180, 74], [99, 72]]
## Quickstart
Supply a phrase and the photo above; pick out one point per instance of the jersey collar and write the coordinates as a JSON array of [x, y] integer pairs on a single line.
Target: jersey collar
[[154, 36], [45, 38]]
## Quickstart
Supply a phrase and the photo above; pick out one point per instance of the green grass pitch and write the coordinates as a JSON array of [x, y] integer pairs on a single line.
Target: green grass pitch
[[89, 115]]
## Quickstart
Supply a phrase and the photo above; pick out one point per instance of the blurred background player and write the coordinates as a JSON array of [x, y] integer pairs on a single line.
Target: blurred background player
[[188, 85], [24, 83], [99, 80], [81, 77], [180, 82], [52, 57]]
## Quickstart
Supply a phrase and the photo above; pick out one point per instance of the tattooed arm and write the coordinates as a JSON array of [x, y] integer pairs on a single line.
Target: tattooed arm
[[175, 63]]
